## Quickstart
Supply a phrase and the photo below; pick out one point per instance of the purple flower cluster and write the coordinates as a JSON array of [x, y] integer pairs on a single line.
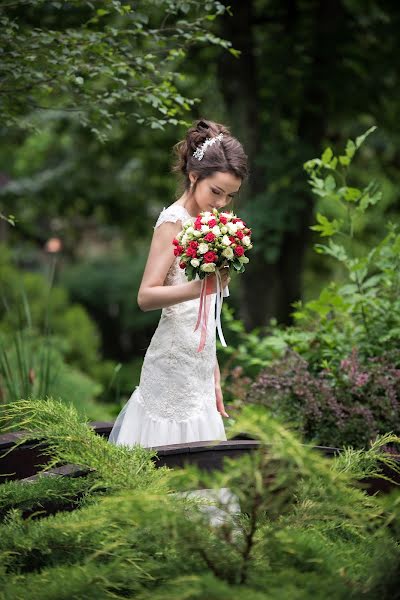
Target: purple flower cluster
[[348, 405]]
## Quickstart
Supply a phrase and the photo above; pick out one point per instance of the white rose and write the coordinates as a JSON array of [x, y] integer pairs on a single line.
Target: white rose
[[216, 230], [187, 223], [232, 227], [205, 228], [240, 225], [195, 262], [184, 239], [208, 267], [197, 233], [207, 216], [226, 215], [228, 253], [243, 259], [226, 241], [190, 231], [246, 240], [224, 229], [203, 248]]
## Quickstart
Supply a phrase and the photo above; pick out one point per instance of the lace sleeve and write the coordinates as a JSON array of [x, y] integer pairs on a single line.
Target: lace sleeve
[[172, 214]]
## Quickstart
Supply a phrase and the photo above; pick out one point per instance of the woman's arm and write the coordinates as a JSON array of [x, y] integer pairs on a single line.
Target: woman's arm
[[218, 391], [152, 293]]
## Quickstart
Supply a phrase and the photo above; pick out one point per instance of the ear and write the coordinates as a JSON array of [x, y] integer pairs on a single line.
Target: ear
[[193, 177]]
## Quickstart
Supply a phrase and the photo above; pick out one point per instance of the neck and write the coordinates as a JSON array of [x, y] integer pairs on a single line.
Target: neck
[[190, 204]]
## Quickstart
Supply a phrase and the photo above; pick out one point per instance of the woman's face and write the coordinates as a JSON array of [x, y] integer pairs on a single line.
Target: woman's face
[[216, 191]]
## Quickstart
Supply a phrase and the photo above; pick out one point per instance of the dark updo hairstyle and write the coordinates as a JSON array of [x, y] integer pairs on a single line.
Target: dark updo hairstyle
[[226, 155]]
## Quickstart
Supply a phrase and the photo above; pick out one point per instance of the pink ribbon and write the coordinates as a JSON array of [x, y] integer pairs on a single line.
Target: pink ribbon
[[204, 309]]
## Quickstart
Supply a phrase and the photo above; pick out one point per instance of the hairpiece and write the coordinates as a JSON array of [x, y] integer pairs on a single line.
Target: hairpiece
[[199, 152]]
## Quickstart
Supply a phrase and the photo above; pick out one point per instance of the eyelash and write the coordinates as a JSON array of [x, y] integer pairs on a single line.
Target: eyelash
[[218, 194]]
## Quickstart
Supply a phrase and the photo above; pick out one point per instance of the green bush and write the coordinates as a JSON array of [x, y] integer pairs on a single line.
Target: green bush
[[108, 288], [31, 365], [304, 528], [30, 300]]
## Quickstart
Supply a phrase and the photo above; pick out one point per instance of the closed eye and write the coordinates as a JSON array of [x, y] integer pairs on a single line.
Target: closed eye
[[217, 193]]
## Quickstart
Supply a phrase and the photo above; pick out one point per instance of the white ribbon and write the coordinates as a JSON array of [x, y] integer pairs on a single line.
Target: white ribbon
[[219, 298]]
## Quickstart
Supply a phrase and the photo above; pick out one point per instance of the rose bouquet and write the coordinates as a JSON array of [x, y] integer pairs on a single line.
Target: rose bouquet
[[214, 241]]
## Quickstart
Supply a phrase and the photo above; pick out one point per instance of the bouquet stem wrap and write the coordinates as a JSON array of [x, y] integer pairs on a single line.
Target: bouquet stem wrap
[[204, 309]]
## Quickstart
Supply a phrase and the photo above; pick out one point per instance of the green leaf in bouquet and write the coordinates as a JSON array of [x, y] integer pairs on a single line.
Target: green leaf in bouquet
[[190, 272], [237, 264]]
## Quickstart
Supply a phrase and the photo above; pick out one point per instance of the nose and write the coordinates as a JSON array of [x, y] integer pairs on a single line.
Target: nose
[[222, 203]]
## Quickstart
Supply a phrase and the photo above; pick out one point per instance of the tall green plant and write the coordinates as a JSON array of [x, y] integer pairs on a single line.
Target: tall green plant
[[364, 311]]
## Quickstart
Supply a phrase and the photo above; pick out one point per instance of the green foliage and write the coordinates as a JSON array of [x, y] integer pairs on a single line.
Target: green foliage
[[334, 374], [69, 439], [30, 300], [301, 529], [34, 497], [48, 346], [364, 311], [102, 61], [108, 288]]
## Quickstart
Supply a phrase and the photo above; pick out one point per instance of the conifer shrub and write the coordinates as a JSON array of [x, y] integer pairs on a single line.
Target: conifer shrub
[[302, 526]]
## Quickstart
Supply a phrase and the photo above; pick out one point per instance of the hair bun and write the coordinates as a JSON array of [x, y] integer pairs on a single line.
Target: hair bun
[[227, 156], [202, 125]]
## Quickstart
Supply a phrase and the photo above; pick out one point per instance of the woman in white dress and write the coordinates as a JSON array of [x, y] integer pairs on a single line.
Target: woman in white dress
[[179, 397]]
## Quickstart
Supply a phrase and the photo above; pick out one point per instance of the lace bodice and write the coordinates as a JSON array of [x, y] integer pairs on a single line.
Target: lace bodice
[[174, 213]]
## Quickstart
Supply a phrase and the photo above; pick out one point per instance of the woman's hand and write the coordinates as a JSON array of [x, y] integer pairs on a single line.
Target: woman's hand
[[225, 279], [220, 401]]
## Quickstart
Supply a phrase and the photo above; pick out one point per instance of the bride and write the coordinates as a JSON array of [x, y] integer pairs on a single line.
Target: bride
[[179, 397]]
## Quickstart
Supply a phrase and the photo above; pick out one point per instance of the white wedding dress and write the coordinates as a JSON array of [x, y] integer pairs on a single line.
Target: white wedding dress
[[175, 400]]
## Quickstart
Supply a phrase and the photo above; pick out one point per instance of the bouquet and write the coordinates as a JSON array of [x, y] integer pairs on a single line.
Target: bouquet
[[213, 242]]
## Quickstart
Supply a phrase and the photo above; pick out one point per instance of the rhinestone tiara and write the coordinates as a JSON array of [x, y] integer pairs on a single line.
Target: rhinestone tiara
[[199, 152]]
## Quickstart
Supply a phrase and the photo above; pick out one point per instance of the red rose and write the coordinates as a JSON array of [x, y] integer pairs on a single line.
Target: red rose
[[235, 220], [210, 257], [193, 244], [182, 265], [223, 220], [212, 223], [240, 235], [233, 239], [178, 250], [191, 252], [197, 225], [210, 237], [239, 250], [175, 242]]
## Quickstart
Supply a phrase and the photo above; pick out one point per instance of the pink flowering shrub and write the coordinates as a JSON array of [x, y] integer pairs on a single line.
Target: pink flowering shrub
[[348, 406]]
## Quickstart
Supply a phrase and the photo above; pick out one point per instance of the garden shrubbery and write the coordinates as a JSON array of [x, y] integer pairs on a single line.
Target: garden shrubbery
[[48, 345], [335, 374], [305, 528]]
